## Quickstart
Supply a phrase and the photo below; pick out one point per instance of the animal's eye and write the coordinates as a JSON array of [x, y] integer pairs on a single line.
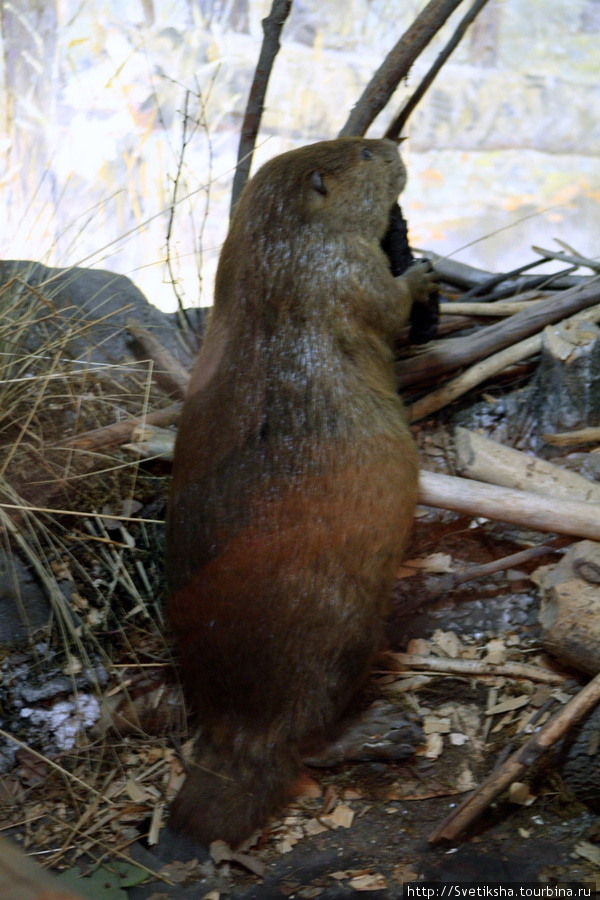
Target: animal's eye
[[365, 153], [316, 180]]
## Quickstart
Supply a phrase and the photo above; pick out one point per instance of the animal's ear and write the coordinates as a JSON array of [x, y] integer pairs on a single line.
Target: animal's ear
[[316, 182]]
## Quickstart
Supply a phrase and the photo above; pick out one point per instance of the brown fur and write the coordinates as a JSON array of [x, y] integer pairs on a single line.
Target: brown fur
[[295, 477]]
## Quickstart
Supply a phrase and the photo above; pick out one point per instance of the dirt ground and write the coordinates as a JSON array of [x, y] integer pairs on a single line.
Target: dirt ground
[[396, 806]]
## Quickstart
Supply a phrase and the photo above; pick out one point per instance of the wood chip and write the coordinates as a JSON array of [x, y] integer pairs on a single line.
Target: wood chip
[[220, 852], [135, 791], [588, 851], [495, 652], [375, 882], [448, 642], [508, 705], [314, 826], [434, 744], [251, 863], [436, 725], [519, 793], [341, 817]]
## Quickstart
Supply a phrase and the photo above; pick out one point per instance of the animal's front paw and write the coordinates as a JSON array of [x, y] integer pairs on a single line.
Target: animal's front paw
[[422, 282]]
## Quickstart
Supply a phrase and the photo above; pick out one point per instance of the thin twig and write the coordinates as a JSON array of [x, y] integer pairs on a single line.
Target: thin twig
[[466, 277], [592, 264], [479, 372], [395, 128], [567, 438], [528, 283], [185, 138], [54, 765], [399, 662], [397, 64], [495, 280], [498, 309], [272, 26], [120, 432], [454, 579]]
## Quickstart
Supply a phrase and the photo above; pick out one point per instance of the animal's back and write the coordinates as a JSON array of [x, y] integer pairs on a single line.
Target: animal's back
[[294, 484]]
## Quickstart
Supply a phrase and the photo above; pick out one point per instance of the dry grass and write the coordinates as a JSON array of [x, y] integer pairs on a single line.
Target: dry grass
[[88, 527]]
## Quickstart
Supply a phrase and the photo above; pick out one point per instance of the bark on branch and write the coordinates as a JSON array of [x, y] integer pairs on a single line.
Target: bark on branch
[[396, 65], [395, 128], [272, 26], [454, 353], [506, 505]]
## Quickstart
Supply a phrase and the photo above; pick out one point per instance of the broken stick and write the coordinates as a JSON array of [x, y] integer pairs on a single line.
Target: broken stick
[[471, 808]]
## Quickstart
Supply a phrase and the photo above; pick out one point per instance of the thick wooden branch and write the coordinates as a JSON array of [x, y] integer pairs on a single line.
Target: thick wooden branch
[[395, 128], [569, 438], [480, 372], [486, 368], [506, 505], [468, 277], [118, 433], [397, 64], [445, 356], [272, 26]]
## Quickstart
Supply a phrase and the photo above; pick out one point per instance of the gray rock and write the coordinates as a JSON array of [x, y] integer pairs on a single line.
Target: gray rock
[[24, 607], [94, 305]]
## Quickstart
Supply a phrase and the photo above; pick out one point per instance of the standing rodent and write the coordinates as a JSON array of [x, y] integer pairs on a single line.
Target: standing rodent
[[295, 477]]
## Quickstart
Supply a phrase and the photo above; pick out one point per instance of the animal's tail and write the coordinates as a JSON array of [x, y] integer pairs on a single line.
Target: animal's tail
[[227, 797]]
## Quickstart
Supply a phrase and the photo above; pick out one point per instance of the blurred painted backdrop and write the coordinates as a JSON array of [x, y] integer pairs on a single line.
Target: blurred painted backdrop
[[110, 108]]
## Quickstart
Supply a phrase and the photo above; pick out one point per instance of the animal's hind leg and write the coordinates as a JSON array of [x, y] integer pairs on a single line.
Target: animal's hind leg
[[380, 732]]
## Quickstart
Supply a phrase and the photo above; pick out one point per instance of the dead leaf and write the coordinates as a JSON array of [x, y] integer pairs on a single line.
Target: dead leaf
[[32, 769], [220, 852], [402, 874], [177, 871], [375, 882]]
